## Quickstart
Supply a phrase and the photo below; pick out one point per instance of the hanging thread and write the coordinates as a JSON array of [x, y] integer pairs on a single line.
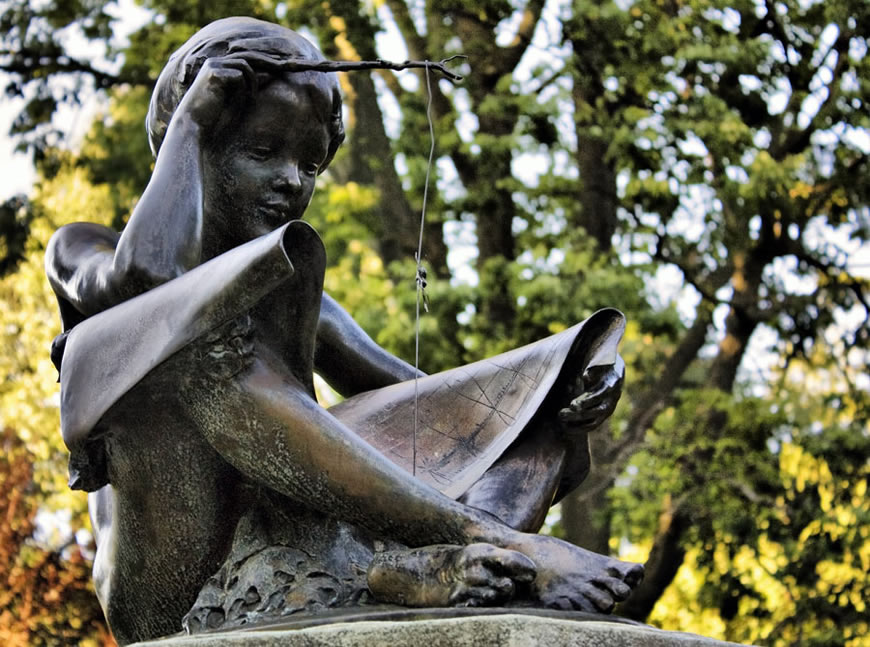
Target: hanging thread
[[421, 271]]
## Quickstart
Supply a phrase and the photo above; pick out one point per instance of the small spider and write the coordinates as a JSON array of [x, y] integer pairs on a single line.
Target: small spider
[[421, 283]]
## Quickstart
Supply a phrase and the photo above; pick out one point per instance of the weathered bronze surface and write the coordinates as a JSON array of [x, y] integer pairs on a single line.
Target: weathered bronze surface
[[222, 493]]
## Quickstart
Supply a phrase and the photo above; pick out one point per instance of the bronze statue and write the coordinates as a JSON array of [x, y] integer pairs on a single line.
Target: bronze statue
[[222, 493]]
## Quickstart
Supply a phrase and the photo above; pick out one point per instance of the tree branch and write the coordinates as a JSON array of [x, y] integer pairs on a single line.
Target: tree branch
[[303, 65], [28, 63], [797, 140], [832, 271], [523, 38]]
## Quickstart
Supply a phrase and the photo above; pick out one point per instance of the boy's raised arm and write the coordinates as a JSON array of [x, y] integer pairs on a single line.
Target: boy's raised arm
[[91, 267], [163, 238]]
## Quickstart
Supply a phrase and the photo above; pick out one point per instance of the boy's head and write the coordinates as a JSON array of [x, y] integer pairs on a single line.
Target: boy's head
[[215, 40]]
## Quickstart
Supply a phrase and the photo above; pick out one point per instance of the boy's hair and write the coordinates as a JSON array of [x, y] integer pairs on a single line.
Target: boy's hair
[[215, 39]]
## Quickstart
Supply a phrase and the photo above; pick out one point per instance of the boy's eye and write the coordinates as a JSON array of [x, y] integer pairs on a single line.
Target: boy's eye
[[260, 152], [310, 168]]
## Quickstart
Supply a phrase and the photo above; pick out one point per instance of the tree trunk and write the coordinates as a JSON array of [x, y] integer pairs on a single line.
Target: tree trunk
[[598, 200], [394, 223], [664, 561]]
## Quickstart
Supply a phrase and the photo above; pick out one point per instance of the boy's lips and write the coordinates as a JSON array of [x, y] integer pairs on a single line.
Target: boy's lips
[[276, 209]]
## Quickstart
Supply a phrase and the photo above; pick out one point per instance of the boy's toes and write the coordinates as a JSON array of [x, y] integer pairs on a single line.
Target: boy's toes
[[499, 561], [600, 599], [474, 596], [504, 587], [618, 589], [629, 572], [634, 575]]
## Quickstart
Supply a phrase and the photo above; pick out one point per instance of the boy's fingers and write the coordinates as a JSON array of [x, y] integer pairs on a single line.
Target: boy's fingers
[[268, 45], [606, 386], [609, 387], [585, 416], [262, 61], [244, 67]]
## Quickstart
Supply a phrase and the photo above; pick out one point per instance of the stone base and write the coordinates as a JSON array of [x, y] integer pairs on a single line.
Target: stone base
[[504, 629]]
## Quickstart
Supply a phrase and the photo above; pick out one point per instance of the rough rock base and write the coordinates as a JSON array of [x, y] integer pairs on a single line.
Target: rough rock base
[[508, 630]]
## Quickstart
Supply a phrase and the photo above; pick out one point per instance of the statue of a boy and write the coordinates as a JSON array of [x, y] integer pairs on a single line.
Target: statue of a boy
[[188, 405]]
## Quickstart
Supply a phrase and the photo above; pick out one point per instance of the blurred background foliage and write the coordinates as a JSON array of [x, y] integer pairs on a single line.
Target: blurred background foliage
[[700, 165]]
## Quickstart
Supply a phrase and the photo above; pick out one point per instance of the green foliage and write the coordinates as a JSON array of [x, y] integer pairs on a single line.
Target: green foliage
[[779, 518], [116, 154], [32, 48], [15, 217], [48, 597]]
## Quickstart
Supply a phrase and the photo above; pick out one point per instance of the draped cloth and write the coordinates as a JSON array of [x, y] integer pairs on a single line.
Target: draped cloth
[[465, 417], [468, 416]]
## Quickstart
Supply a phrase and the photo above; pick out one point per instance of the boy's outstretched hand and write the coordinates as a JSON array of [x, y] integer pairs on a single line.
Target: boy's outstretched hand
[[593, 397]]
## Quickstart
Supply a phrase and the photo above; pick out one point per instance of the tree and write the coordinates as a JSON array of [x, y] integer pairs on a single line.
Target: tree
[[730, 188], [593, 148], [47, 595]]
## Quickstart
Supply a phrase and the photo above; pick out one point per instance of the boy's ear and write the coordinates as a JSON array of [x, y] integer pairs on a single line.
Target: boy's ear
[[334, 145], [336, 128]]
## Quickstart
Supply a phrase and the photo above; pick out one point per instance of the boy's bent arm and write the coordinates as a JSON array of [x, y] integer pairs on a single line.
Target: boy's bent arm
[[163, 238], [348, 359], [79, 263], [91, 267]]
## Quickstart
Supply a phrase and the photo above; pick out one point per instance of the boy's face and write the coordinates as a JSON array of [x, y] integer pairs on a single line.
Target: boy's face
[[261, 174]]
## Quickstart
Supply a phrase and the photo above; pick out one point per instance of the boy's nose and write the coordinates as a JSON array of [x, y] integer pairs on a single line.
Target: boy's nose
[[287, 178]]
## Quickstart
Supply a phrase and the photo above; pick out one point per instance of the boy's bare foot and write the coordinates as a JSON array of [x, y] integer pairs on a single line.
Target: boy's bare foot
[[548, 571], [570, 577], [447, 575]]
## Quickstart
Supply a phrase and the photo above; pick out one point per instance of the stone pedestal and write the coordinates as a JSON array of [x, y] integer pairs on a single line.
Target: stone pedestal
[[492, 630]]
